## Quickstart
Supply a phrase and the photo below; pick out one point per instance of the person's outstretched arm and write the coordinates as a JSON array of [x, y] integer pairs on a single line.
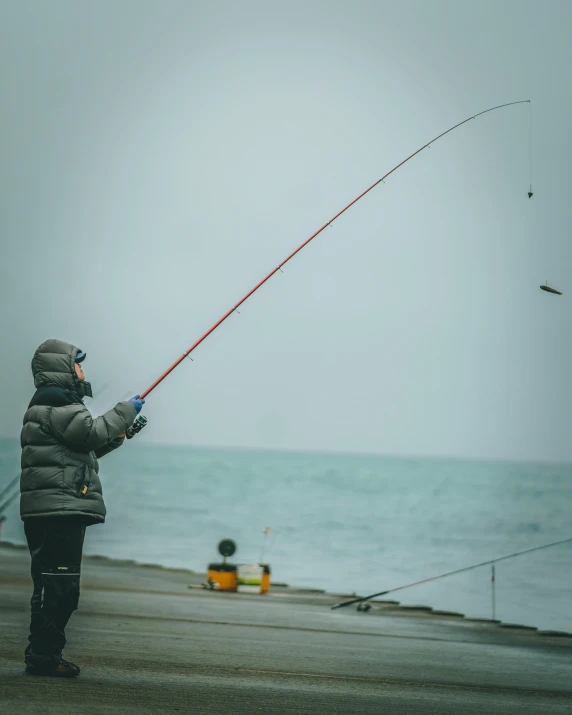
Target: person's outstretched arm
[[75, 427]]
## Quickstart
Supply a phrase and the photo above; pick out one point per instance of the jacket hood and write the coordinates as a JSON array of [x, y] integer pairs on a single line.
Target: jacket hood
[[54, 364]]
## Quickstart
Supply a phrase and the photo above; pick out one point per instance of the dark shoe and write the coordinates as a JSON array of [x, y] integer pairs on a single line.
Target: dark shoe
[[67, 664], [63, 669], [58, 655]]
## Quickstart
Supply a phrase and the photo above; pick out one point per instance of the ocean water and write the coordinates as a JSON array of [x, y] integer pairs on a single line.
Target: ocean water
[[344, 523]]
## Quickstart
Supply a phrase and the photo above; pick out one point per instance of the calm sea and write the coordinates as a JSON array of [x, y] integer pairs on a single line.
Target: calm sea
[[344, 523]]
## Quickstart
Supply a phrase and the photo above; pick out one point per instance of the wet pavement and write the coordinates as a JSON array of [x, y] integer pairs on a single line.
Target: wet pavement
[[147, 643]]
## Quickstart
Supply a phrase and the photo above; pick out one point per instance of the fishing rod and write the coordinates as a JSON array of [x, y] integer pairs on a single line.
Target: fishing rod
[[13, 485], [6, 504], [449, 573], [10, 485], [311, 238]]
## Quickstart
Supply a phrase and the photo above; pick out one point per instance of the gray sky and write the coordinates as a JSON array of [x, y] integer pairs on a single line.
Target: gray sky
[[158, 158]]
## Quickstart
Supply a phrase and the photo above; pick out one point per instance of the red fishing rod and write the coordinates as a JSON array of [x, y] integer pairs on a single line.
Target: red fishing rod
[[307, 241]]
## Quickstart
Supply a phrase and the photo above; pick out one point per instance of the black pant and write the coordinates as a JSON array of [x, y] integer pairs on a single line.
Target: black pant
[[56, 548]]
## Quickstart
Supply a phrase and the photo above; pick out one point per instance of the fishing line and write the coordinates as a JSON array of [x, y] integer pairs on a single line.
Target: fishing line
[[450, 573], [530, 194], [308, 240]]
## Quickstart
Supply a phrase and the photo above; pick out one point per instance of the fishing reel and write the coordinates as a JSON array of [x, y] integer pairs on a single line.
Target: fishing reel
[[138, 423]]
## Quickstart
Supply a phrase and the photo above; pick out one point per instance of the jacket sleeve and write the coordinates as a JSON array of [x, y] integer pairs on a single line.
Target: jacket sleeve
[[75, 427], [109, 447]]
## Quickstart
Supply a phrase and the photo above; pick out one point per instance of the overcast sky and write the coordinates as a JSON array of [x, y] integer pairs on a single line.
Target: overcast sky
[[159, 158]]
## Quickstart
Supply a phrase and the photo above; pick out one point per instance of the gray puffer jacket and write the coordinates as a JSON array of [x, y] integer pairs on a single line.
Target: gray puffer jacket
[[61, 441]]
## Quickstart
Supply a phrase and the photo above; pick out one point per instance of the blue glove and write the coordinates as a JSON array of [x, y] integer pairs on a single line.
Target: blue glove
[[137, 403]]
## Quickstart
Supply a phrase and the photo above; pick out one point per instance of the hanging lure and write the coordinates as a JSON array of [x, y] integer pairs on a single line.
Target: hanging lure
[[548, 289]]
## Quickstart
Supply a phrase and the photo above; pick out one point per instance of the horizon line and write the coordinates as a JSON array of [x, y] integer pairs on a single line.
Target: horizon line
[[348, 453]]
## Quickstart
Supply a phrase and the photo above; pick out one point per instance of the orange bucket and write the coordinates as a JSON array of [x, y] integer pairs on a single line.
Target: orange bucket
[[224, 575]]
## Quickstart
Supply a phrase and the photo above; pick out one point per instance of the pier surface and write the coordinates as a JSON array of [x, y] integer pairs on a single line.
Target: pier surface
[[147, 643]]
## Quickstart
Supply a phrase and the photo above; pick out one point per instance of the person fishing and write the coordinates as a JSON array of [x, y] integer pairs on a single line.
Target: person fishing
[[61, 492], [61, 442]]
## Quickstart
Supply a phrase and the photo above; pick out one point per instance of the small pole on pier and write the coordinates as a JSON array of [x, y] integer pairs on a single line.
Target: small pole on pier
[[493, 590], [265, 533]]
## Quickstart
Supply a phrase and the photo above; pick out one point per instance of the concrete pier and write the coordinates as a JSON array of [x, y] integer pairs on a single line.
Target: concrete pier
[[147, 643]]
